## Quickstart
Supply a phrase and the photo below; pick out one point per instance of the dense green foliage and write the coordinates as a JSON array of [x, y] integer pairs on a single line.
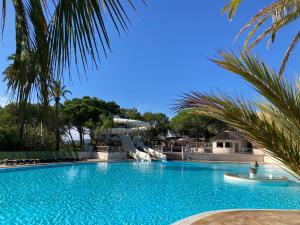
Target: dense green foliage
[[159, 124], [34, 137], [87, 113], [87, 116], [130, 114], [197, 126]]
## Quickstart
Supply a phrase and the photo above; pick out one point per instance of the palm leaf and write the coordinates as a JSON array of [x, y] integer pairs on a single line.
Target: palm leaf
[[79, 26], [231, 8], [288, 53], [280, 13], [272, 125]]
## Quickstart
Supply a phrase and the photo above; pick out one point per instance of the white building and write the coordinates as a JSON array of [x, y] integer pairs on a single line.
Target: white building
[[229, 142]]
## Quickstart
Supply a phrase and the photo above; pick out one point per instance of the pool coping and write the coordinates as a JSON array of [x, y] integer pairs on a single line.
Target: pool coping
[[234, 162], [198, 217], [39, 165], [55, 164]]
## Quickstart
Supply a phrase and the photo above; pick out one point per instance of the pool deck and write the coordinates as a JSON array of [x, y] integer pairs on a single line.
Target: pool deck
[[244, 217], [58, 163]]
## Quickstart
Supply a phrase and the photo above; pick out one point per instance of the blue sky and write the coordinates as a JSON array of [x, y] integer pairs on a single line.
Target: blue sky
[[166, 52]]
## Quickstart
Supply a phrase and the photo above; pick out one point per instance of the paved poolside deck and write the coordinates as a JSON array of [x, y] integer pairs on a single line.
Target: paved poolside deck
[[57, 163], [244, 217]]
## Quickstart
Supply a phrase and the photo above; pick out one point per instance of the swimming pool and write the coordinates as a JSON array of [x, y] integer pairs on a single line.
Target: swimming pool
[[132, 193]]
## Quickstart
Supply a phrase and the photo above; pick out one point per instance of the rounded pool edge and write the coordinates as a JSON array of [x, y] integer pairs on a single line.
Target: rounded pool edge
[[200, 216], [240, 177]]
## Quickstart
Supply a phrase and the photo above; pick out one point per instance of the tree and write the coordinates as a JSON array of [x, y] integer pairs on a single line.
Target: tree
[[33, 131], [52, 34], [58, 91], [130, 114], [111, 108], [159, 124], [8, 131], [193, 125], [103, 127], [22, 77], [78, 112], [279, 13], [272, 124]]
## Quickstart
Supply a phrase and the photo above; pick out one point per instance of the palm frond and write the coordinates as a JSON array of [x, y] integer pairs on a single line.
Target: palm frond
[[79, 26], [280, 13], [3, 17], [272, 125], [288, 53], [231, 8], [265, 80], [257, 127]]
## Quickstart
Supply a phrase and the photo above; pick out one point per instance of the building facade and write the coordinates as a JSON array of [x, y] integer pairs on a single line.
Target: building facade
[[229, 142]]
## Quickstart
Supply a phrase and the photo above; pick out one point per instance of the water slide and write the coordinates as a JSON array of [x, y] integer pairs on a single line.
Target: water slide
[[131, 149], [134, 127], [154, 153]]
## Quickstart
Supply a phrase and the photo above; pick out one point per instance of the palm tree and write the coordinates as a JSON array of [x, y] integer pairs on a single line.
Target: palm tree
[[60, 32], [58, 90], [272, 124], [279, 13], [23, 77], [50, 35]]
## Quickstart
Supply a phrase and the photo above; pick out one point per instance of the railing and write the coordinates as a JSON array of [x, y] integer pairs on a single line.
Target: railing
[[102, 148], [159, 148], [110, 149], [245, 151], [201, 149], [200, 144]]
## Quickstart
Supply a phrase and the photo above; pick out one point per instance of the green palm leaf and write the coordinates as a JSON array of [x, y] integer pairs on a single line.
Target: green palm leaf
[[273, 125], [279, 14]]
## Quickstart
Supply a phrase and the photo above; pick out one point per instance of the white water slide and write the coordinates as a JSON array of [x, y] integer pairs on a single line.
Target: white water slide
[[136, 126], [154, 153], [131, 149]]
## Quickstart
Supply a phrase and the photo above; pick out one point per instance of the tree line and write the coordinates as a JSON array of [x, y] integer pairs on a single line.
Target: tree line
[[88, 116]]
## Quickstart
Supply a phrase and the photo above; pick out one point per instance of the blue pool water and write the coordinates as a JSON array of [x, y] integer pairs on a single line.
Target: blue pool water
[[133, 193]]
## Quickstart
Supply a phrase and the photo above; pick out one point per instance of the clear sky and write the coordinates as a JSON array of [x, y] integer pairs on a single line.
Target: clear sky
[[166, 52]]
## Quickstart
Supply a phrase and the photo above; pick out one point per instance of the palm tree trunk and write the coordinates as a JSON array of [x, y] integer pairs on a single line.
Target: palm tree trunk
[[68, 131], [82, 146], [80, 136], [56, 124], [21, 122]]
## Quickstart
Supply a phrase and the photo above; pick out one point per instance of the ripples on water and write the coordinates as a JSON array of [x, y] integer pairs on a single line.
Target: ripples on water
[[132, 192]]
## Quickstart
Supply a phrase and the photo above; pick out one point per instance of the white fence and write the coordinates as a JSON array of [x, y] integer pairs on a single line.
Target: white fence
[[110, 149]]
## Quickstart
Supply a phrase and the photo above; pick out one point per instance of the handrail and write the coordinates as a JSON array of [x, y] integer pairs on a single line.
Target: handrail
[[159, 148], [110, 149], [245, 151]]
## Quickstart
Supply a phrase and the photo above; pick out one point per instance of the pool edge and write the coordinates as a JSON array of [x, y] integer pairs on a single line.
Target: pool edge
[[198, 217]]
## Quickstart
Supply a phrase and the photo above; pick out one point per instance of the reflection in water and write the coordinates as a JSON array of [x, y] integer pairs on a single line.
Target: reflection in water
[[102, 166], [144, 167], [72, 173], [196, 169], [245, 180]]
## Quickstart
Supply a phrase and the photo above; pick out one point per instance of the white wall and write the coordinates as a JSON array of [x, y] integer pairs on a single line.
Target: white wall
[[103, 156], [258, 151], [224, 150], [217, 157]]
